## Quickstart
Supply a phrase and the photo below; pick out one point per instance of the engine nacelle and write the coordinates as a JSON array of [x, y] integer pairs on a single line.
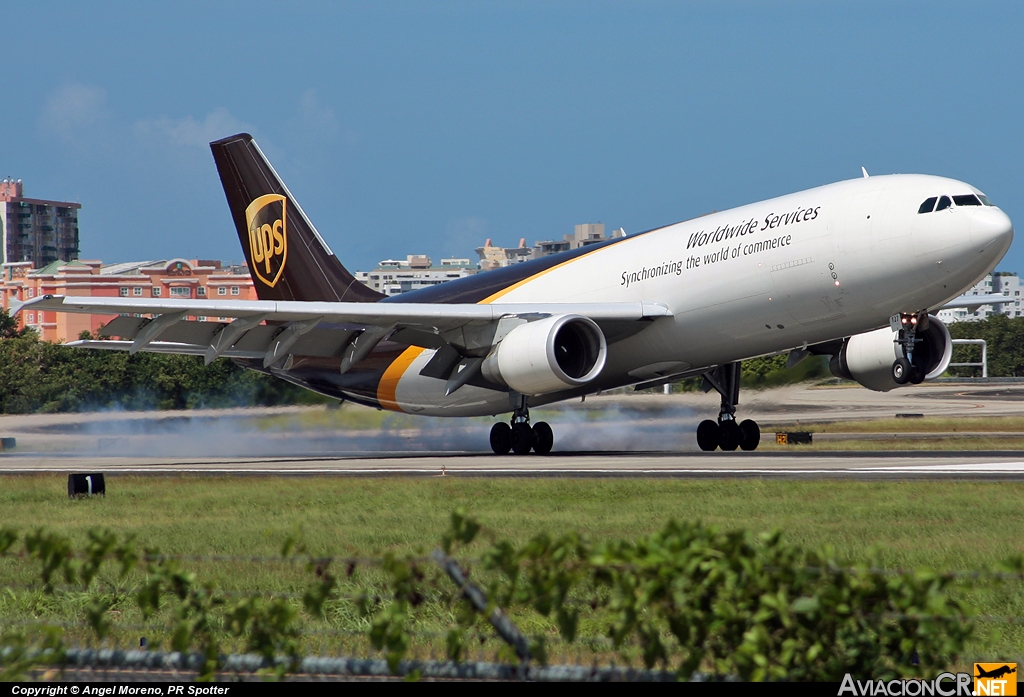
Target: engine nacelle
[[868, 358], [548, 355]]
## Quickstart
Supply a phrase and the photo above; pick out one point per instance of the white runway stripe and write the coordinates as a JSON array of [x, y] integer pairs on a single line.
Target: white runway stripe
[[993, 468], [962, 467]]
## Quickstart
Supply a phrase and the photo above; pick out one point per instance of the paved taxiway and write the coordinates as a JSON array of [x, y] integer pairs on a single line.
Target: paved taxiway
[[647, 435]]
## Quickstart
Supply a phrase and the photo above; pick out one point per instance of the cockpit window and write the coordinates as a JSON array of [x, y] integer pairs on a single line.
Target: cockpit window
[[966, 200], [944, 203], [928, 206], [985, 201]]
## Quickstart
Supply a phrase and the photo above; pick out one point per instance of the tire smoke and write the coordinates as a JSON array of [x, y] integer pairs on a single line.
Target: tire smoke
[[316, 432]]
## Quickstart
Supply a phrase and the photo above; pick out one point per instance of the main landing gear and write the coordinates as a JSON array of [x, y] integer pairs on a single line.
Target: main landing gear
[[904, 369], [519, 436], [726, 433]]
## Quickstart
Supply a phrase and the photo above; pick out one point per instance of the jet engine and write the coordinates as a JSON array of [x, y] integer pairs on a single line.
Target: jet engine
[[548, 355], [868, 358]]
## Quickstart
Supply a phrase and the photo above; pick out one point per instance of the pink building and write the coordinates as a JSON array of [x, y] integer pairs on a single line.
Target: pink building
[[176, 278]]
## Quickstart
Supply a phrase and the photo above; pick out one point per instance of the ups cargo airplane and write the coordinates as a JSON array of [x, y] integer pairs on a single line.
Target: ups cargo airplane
[[851, 270]]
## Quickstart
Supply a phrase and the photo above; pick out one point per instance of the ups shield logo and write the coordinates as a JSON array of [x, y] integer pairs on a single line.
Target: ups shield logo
[[267, 221]]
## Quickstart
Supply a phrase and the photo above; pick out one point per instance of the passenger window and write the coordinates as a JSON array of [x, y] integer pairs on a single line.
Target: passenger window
[[944, 203], [928, 206], [967, 200]]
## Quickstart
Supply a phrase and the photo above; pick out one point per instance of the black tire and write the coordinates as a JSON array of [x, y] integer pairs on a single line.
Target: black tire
[[501, 438], [901, 371], [750, 435], [543, 438], [707, 435], [916, 375], [522, 438], [729, 435]]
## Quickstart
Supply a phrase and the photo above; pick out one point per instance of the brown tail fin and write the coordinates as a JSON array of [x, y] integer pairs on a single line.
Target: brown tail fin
[[287, 258]]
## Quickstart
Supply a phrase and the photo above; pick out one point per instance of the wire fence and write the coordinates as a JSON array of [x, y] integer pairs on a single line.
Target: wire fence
[[131, 666]]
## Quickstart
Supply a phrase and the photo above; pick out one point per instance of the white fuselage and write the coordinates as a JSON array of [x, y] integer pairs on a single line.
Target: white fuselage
[[809, 267]]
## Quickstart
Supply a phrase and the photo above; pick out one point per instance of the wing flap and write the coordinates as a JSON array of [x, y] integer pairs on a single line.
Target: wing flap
[[124, 327], [159, 347], [323, 342], [199, 333]]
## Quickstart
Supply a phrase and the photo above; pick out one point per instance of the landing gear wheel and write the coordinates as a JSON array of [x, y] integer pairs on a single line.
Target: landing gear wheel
[[729, 435], [901, 371], [522, 438], [707, 435], [543, 438], [750, 435], [917, 375], [501, 438]]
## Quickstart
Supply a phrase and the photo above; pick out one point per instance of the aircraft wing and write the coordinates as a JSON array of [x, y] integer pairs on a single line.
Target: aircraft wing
[[973, 302], [371, 314], [271, 329]]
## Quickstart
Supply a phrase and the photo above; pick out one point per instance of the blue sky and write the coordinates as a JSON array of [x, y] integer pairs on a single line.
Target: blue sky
[[416, 127]]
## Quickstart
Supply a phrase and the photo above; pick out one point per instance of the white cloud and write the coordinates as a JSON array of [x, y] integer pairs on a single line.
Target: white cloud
[[188, 132], [73, 111], [315, 118]]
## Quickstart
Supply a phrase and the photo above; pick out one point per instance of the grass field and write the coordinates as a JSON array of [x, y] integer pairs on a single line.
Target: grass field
[[941, 525], [964, 433], [931, 424], [956, 525]]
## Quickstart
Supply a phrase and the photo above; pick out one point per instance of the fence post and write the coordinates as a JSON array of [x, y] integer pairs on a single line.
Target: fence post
[[505, 628], [984, 355]]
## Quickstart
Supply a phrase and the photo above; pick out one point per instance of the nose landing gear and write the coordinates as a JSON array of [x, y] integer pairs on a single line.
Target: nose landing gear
[[519, 436], [727, 434], [904, 369]]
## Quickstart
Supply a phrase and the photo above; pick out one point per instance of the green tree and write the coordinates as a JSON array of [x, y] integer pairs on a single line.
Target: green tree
[[42, 376], [1004, 337]]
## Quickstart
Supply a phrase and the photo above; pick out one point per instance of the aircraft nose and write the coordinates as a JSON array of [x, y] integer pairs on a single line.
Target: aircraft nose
[[991, 229]]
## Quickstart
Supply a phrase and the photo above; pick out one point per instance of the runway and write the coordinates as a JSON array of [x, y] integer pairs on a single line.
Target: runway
[[878, 465], [646, 435]]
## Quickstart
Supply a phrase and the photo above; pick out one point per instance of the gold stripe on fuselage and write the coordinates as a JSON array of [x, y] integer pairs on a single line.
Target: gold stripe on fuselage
[[519, 284], [388, 385]]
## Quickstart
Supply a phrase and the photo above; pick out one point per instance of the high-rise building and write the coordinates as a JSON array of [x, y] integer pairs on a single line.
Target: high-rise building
[[34, 229], [396, 276]]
